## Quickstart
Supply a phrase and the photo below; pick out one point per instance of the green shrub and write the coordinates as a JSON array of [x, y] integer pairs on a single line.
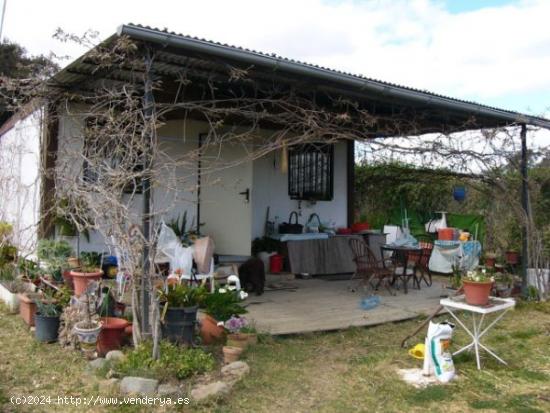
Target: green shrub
[[54, 254], [174, 362]]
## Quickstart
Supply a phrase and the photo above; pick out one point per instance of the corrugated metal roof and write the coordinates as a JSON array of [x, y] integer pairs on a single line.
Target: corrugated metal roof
[[166, 36]]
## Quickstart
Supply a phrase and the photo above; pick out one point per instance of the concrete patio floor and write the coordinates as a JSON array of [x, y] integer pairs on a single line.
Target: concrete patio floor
[[322, 305]]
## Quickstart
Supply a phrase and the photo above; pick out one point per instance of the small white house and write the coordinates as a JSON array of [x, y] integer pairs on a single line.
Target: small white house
[[232, 202]]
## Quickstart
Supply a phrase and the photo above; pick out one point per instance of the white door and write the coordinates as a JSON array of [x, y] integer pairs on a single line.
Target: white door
[[226, 190]]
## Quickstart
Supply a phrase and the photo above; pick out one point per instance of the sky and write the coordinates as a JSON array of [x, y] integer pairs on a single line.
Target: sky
[[495, 52]]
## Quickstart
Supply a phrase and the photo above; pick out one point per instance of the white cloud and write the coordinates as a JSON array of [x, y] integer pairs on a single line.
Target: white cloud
[[483, 54]]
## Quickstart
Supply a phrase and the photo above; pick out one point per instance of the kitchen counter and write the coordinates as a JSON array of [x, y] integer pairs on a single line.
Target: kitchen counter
[[316, 256], [300, 237]]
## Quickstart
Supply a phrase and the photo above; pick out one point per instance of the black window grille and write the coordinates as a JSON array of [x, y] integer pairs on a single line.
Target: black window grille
[[310, 172]]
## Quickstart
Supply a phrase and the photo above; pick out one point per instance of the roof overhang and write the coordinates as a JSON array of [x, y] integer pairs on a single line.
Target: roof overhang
[[178, 46]]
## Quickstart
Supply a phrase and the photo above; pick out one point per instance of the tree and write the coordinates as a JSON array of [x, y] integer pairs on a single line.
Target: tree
[[15, 63]]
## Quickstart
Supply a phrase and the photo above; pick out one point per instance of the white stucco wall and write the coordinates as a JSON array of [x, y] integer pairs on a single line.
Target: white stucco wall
[[270, 188], [175, 191], [20, 180]]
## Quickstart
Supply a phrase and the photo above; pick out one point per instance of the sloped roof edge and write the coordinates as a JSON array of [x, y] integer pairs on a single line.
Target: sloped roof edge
[[247, 56]]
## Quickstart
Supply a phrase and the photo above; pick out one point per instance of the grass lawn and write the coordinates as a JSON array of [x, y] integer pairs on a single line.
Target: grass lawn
[[347, 371]]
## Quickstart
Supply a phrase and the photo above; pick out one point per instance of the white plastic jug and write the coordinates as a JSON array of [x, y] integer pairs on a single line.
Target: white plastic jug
[[233, 283]]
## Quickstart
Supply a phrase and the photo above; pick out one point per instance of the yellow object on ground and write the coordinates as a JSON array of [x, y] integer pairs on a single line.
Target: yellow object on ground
[[418, 351]]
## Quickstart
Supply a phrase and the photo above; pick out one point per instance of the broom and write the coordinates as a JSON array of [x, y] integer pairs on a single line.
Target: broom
[[426, 321]]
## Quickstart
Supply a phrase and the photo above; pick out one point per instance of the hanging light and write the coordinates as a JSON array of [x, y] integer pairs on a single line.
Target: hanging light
[[284, 159]]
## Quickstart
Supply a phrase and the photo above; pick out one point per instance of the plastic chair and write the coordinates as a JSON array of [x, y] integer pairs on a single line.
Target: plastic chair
[[195, 278]]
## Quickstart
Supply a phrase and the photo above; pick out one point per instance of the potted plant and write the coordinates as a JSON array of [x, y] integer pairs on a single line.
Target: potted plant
[[239, 332], [10, 286], [219, 307], [113, 328], [179, 306], [46, 319], [87, 330], [54, 254], [89, 271], [477, 286], [512, 257], [490, 259], [27, 306], [29, 271], [504, 283], [249, 331]]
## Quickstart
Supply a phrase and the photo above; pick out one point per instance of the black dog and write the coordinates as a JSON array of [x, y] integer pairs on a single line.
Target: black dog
[[252, 276]]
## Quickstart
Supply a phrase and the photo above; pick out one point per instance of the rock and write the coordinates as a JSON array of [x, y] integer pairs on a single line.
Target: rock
[[168, 390], [97, 364], [108, 385], [138, 385], [115, 356], [216, 389], [235, 371]]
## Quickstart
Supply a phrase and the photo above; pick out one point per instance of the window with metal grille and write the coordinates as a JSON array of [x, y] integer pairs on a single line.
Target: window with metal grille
[[310, 172], [106, 159]]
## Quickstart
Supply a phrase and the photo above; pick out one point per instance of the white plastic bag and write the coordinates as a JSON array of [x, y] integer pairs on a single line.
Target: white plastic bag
[[180, 258], [437, 356]]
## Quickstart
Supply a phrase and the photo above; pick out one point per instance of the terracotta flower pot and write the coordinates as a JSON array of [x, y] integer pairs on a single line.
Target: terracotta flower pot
[[210, 331], [27, 309], [490, 262], [512, 257], [82, 279], [68, 279], [237, 340], [128, 336], [231, 354], [252, 338], [477, 293], [111, 336]]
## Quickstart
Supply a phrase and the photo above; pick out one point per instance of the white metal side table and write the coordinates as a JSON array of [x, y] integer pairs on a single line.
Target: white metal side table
[[495, 305]]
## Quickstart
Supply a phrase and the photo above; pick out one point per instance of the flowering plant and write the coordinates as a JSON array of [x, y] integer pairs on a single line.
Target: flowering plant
[[479, 275], [241, 293], [223, 304], [235, 324]]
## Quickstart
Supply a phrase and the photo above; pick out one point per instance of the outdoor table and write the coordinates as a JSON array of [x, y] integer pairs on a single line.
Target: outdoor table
[[400, 255], [495, 305], [445, 254]]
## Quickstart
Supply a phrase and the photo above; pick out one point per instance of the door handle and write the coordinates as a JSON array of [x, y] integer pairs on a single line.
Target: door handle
[[246, 194]]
